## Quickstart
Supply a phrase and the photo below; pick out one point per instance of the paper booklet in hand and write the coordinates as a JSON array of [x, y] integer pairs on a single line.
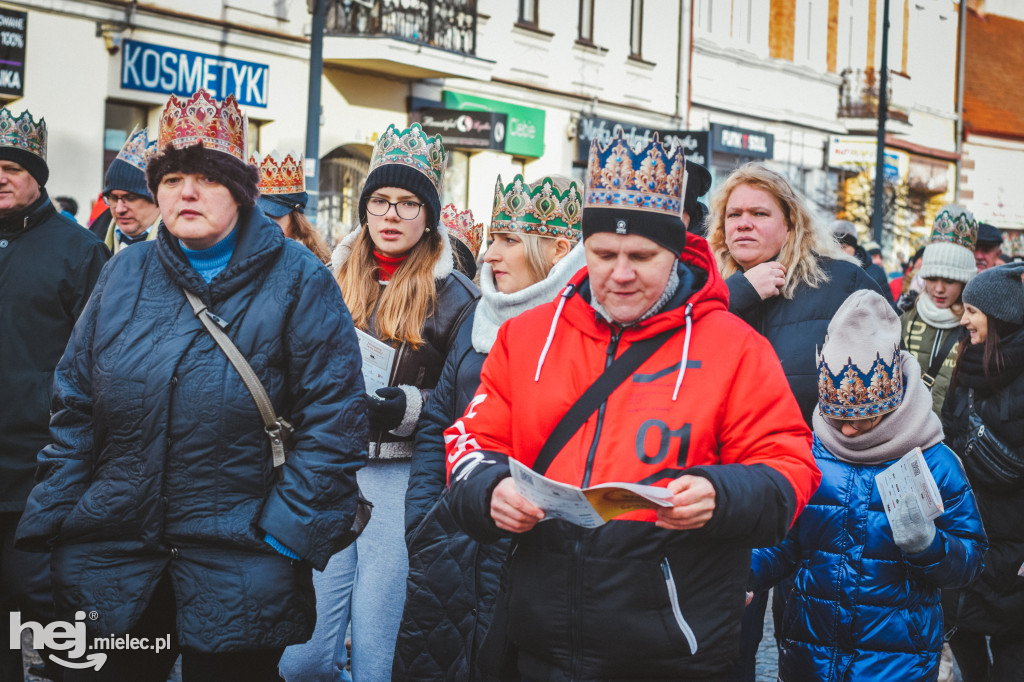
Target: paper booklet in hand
[[909, 481], [590, 507]]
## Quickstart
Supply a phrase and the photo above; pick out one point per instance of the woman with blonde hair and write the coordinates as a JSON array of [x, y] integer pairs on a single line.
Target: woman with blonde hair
[[532, 256], [787, 277], [396, 273]]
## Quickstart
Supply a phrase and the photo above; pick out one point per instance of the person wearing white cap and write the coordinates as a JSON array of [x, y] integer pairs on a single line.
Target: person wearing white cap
[[931, 328], [866, 598]]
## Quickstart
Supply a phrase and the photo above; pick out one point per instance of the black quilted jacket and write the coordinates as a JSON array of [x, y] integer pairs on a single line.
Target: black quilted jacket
[[453, 579], [159, 464]]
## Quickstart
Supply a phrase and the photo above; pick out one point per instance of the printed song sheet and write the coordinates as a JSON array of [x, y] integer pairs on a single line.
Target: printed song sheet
[[588, 508], [377, 360], [909, 478]]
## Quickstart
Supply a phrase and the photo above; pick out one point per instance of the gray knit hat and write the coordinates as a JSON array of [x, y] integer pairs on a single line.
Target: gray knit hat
[[859, 370], [998, 292], [950, 251]]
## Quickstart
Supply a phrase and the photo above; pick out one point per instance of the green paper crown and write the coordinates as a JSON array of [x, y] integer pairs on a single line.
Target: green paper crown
[[411, 147], [542, 210], [23, 132], [955, 225]]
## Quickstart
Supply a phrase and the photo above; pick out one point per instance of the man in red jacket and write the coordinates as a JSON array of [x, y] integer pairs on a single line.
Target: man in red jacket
[[649, 595]]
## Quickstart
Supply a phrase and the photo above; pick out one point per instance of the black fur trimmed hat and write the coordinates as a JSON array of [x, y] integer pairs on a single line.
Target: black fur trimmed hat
[[241, 179]]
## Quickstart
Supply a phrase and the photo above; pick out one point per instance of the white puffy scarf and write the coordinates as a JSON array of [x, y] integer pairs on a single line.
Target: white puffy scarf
[[934, 316], [495, 307]]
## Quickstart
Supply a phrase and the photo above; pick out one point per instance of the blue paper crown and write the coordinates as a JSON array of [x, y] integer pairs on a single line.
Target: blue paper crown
[[137, 150], [652, 179], [853, 394]]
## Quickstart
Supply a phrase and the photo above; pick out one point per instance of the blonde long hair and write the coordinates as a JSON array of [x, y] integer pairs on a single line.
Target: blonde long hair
[[806, 244], [405, 303]]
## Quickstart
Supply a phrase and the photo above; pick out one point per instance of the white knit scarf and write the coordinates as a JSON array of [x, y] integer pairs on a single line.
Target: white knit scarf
[[933, 315], [495, 307]]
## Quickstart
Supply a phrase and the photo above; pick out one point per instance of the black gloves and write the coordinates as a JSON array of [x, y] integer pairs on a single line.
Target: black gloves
[[386, 408]]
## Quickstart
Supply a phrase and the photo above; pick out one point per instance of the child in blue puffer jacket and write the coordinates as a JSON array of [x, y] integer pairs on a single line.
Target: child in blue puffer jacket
[[866, 600]]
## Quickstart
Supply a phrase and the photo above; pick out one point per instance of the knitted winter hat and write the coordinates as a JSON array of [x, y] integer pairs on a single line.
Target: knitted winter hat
[[862, 346], [240, 178], [989, 235], [127, 172], [998, 292], [950, 251], [698, 183], [410, 160]]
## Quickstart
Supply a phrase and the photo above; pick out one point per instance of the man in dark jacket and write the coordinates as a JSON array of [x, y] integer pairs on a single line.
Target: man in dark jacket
[[708, 415], [48, 265], [133, 212]]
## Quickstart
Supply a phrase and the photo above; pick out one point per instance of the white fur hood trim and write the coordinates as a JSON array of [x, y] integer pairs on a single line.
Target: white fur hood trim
[[442, 268]]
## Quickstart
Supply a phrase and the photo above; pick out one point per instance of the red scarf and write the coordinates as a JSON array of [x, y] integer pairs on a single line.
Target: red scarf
[[386, 265]]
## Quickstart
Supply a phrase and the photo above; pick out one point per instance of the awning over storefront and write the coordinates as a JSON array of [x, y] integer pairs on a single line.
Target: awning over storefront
[[524, 133]]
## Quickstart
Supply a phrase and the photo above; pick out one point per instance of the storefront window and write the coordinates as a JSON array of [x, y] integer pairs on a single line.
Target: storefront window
[[456, 181], [120, 119], [342, 174]]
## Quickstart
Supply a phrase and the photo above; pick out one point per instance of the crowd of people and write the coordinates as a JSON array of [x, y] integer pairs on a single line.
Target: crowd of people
[[202, 395]]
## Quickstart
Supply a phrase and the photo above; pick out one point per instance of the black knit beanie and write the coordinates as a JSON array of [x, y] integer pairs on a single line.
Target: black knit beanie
[[241, 179], [125, 177], [698, 182], [661, 228], [404, 177], [35, 166], [998, 292]]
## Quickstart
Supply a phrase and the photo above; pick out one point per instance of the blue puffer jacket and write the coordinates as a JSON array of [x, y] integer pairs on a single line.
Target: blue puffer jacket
[[861, 609], [159, 464]]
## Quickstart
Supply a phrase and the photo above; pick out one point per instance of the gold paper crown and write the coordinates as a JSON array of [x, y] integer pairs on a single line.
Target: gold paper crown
[[955, 225], [542, 210], [200, 119], [23, 132], [461, 225], [411, 147], [284, 177], [855, 394], [137, 150]]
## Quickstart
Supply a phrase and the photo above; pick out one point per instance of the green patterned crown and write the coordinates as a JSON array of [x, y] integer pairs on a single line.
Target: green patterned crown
[[23, 132], [542, 210], [955, 225], [411, 147]]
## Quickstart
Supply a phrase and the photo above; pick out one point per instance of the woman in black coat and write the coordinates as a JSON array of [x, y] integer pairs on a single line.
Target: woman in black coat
[[787, 277], [990, 373], [158, 494], [453, 579]]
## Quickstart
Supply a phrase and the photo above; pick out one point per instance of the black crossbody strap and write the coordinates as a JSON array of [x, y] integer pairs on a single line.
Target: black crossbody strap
[[596, 394], [932, 374]]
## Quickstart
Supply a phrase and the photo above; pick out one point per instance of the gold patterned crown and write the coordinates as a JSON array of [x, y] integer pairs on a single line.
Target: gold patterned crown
[[137, 150], [23, 132], [200, 119], [542, 210], [280, 177], [854, 394], [411, 147], [653, 179], [461, 225], [955, 225]]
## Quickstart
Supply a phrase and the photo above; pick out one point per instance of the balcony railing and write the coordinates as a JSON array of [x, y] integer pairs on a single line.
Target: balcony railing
[[447, 24], [858, 95]]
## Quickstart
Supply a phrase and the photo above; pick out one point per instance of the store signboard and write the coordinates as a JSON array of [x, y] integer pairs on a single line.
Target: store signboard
[[524, 132], [752, 144], [590, 128], [158, 68], [12, 52], [465, 129]]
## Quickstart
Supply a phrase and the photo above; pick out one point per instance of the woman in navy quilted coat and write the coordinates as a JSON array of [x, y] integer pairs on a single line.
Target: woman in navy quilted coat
[[866, 598], [157, 494]]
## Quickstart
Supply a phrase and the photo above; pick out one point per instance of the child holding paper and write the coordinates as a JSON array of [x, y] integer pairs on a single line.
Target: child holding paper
[[866, 600]]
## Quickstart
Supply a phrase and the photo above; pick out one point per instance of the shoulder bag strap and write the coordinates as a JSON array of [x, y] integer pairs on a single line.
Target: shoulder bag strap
[[940, 357], [271, 423], [596, 394]]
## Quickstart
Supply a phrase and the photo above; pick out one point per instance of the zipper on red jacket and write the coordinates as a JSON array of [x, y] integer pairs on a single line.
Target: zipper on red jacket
[[575, 564]]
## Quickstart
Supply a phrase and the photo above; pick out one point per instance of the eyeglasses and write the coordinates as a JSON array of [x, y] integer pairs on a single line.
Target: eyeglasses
[[858, 425], [406, 210], [111, 199]]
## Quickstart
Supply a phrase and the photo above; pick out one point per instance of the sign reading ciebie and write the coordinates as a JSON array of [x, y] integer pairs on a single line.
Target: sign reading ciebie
[[156, 68]]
